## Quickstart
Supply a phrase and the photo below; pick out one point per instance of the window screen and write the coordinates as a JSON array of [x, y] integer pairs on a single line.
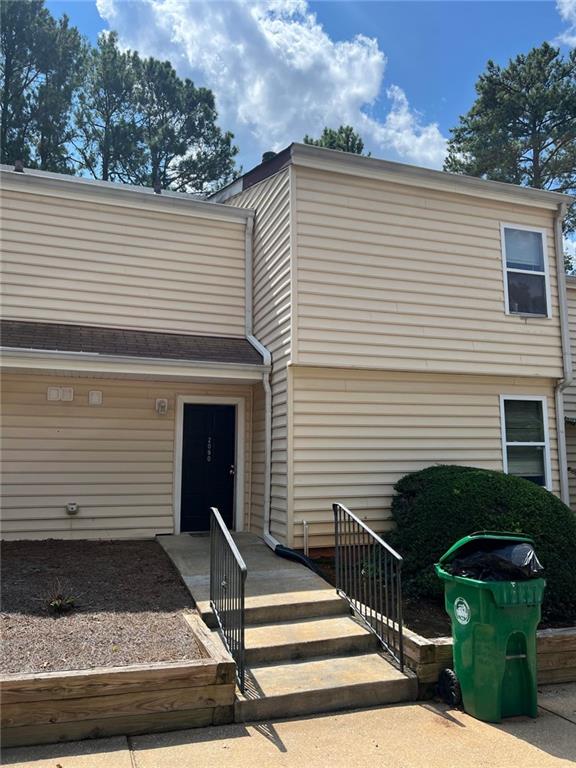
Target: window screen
[[525, 440], [527, 291]]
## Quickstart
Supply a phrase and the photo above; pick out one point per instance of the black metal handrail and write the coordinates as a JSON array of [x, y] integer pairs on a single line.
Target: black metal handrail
[[227, 590], [369, 577]]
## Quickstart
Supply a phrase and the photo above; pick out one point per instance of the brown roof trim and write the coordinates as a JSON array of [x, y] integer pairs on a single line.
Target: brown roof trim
[[126, 342], [266, 168]]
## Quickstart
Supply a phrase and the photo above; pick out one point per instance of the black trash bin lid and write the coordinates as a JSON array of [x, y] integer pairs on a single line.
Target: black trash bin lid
[[483, 539]]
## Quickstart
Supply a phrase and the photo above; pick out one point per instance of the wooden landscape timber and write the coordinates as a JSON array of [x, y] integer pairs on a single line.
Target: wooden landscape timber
[[428, 656], [41, 708], [556, 656]]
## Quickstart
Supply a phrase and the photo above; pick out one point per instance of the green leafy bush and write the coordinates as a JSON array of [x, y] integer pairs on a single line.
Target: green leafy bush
[[435, 507]]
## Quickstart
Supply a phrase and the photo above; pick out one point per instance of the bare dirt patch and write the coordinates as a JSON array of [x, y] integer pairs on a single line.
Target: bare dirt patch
[[128, 603]]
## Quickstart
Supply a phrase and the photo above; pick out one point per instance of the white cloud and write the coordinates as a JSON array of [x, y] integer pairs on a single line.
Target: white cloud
[[567, 11], [277, 74], [404, 132]]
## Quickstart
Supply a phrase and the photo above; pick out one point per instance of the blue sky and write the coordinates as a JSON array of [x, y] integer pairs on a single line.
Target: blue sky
[[401, 72]]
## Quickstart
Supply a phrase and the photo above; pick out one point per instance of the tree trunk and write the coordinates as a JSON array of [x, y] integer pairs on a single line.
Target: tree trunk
[[106, 154], [536, 165]]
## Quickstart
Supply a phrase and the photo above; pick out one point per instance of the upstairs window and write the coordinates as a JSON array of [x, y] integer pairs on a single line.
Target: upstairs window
[[526, 271], [525, 443]]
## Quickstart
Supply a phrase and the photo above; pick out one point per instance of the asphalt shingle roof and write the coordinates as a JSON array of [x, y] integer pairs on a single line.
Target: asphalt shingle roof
[[126, 342]]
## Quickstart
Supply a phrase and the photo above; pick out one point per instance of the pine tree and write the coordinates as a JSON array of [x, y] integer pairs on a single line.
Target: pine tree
[[344, 138], [40, 69], [53, 128], [522, 127], [182, 146], [107, 140]]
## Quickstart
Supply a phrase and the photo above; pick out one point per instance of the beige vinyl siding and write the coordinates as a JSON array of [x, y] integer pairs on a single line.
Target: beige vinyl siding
[[357, 432], [100, 262], [255, 512], [571, 461], [116, 460], [402, 278], [272, 319], [570, 392]]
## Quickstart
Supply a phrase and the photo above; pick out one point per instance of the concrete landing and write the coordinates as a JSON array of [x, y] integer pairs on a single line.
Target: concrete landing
[[305, 652], [276, 589]]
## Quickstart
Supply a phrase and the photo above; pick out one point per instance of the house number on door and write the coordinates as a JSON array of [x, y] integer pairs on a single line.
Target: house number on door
[[209, 450]]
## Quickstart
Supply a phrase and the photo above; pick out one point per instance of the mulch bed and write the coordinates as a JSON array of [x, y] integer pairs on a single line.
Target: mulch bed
[[128, 603]]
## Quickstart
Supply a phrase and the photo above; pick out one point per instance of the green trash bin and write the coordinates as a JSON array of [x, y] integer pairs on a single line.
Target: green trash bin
[[494, 635]]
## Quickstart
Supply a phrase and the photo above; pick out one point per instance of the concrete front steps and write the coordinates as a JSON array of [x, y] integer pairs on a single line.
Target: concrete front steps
[[305, 652], [324, 684], [266, 608], [302, 639], [300, 663]]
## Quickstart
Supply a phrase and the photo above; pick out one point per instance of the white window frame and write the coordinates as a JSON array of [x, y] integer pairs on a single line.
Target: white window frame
[[240, 460], [545, 444], [546, 273]]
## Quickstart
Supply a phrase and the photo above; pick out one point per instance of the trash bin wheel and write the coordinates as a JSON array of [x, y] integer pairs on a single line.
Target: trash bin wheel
[[449, 688]]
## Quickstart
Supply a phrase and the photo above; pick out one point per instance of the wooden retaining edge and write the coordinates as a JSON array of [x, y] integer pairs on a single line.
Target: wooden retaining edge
[[63, 706], [556, 655]]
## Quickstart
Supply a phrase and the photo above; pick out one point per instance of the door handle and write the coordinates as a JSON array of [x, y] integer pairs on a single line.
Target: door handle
[[232, 470]]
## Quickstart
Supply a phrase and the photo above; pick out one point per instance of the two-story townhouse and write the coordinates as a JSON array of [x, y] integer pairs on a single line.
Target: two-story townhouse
[[411, 317], [129, 370], [414, 317]]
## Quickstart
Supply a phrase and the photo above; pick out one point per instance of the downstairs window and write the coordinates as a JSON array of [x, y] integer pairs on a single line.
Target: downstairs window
[[525, 441]]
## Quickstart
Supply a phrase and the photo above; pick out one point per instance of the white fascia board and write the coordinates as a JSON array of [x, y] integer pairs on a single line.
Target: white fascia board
[[412, 175], [105, 192], [81, 362], [234, 188]]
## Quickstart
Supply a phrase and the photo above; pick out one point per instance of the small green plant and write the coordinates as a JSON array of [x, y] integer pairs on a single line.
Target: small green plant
[[59, 601]]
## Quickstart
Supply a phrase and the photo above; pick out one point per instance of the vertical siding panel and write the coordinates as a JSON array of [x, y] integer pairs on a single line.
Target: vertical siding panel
[[256, 509], [272, 322], [570, 393], [571, 457]]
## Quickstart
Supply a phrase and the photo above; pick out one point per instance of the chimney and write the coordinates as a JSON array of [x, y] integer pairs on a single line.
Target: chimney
[[268, 156], [19, 166]]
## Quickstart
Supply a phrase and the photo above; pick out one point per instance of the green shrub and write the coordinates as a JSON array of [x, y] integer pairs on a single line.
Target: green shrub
[[435, 507]]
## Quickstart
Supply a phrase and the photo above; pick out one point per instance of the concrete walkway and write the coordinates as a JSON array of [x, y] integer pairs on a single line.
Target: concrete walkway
[[305, 653], [273, 581], [423, 735]]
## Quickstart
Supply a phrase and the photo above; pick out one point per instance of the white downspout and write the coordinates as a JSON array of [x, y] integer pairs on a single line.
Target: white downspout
[[567, 378], [267, 359]]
